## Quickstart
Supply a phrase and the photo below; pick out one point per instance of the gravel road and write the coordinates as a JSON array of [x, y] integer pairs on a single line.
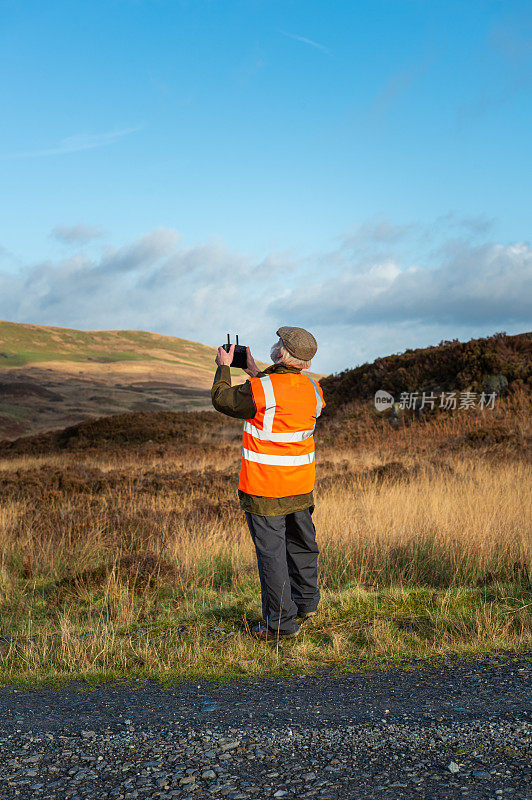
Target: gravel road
[[457, 731]]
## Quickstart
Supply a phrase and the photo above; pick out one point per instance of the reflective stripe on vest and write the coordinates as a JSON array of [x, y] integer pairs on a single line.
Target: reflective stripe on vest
[[265, 436], [269, 414], [278, 461], [319, 401]]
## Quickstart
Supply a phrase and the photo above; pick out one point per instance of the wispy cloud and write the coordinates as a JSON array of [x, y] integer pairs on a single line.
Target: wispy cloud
[[77, 143], [398, 85], [490, 99], [512, 37], [304, 39], [511, 41], [76, 234]]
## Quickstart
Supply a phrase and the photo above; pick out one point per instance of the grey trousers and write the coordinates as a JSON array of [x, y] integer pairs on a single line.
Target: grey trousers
[[287, 557]]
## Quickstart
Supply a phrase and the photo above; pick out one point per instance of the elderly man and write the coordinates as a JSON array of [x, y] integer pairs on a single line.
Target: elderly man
[[280, 407]]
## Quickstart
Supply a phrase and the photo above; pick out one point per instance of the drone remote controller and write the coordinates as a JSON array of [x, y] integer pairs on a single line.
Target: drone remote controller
[[240, 356]]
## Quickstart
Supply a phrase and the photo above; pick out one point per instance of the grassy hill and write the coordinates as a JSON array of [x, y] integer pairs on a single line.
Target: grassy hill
[[53, 377], [22, 344], [497, 363]]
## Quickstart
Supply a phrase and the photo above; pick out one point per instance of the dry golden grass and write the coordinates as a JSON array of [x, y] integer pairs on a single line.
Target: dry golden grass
[[138, 562]]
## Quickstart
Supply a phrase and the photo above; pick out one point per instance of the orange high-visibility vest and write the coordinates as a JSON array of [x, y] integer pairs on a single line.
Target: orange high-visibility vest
[[278, 442]]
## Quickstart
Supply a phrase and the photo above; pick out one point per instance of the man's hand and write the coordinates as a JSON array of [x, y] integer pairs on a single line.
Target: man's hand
[[252, 369], [224, 358]]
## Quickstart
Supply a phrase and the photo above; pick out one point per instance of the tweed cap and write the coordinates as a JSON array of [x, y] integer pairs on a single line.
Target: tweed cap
[[299, 342]]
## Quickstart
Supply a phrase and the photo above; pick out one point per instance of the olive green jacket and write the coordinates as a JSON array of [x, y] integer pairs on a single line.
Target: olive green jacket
[[237, 401]]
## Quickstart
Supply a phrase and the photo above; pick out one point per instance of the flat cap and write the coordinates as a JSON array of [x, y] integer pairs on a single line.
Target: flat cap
[[299, 342]]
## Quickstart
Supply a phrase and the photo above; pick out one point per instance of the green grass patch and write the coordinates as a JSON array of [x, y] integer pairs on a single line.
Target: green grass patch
[[202, 631], [13, 411]]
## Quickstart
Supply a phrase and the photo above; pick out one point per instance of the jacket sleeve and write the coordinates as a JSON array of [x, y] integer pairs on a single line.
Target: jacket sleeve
[[234, 401]]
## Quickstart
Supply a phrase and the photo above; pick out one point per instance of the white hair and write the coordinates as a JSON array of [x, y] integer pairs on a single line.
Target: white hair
[[280, 355]]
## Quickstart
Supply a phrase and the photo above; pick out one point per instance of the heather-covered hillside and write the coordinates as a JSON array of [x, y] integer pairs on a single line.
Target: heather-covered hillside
[[497, 363]]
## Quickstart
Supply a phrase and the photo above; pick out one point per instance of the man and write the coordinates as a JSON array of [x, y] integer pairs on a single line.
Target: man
[[280, 407]]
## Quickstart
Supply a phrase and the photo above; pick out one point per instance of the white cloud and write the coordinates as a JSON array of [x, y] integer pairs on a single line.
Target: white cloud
[[153, 283], [144, 253], [489, 284], [362, 300], [76, 234]]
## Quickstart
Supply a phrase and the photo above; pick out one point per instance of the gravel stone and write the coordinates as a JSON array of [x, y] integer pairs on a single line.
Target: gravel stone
[[461, 730]]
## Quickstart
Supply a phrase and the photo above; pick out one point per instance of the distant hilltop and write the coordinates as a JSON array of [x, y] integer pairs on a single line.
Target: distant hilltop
[[54, 377], [22, 344], [496, 363], [51, 378]]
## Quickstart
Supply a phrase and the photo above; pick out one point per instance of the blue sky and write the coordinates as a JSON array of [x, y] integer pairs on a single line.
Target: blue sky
[[359, 168]]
